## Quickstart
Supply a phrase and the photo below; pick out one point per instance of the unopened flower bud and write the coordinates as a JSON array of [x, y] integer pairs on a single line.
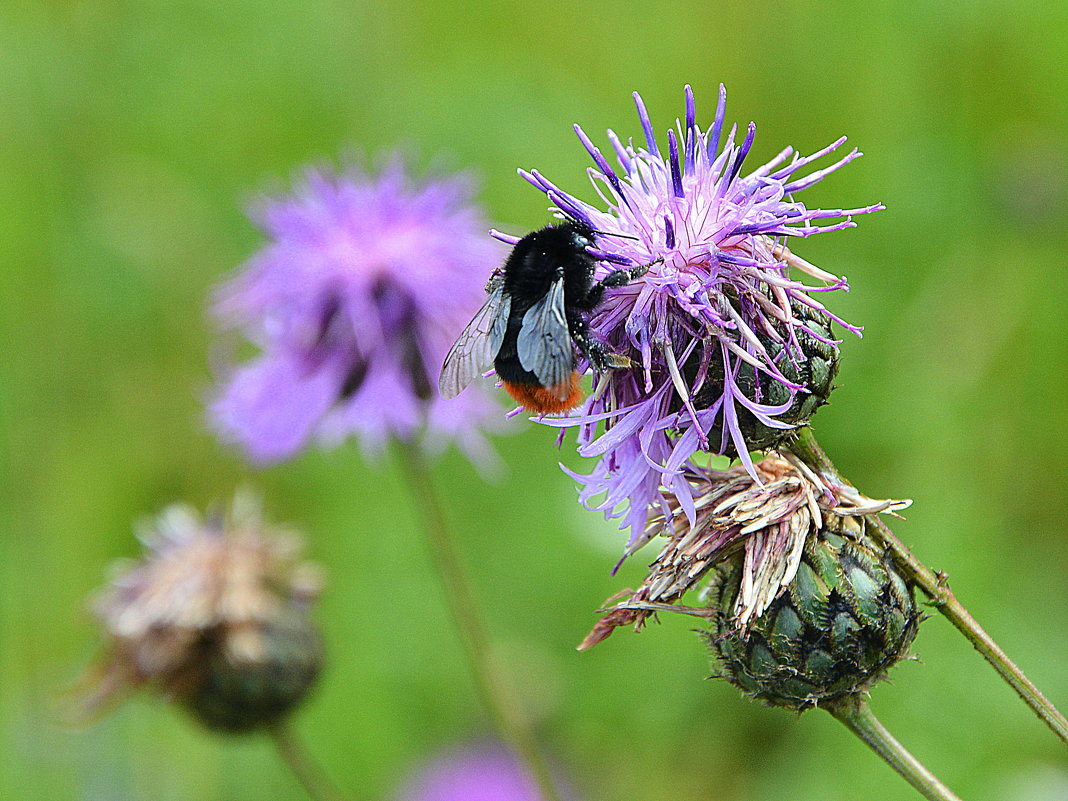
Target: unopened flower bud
[[844, 620], [216, 617]]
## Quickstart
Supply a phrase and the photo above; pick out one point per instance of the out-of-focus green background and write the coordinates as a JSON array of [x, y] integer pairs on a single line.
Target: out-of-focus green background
[[131, 135]]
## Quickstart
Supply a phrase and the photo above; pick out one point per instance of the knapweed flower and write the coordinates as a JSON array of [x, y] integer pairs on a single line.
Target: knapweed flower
[[215, 617], [763, 523], [480, 772], [732, 349], [354, 301]]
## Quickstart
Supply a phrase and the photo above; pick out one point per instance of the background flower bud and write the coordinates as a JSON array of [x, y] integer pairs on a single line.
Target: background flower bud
[[216, 617]]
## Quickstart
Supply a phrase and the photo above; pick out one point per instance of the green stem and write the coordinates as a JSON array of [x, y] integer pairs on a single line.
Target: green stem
[[855, 713], [496, 691], [936, 587], [311, 777]]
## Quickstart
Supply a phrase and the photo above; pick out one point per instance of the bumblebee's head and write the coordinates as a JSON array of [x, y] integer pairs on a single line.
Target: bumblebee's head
[[564, 243], [562, 235], [580, 234]]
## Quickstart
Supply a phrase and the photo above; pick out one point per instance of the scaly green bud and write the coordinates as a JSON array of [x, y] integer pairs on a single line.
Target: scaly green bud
[[816, 372], [844, 620]]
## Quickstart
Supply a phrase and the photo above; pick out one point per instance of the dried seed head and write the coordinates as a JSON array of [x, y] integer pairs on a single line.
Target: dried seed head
[[215, 617], [845, 619], [766, 523]]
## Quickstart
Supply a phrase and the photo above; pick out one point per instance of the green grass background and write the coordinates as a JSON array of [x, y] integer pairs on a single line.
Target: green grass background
[[131, 135]]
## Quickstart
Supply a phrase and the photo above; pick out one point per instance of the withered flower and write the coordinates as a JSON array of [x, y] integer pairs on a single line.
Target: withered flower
[[765, 522], [216, 617]]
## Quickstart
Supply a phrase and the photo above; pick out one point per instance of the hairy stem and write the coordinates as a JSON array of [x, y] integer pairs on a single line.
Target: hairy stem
[[311, 777], [496, 690], [855, 713], [936, 587]]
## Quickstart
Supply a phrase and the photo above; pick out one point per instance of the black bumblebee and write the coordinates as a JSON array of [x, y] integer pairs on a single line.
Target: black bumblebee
[[536, 314]]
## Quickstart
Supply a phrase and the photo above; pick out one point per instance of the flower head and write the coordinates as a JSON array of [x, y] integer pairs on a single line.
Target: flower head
[[354, 301], [731, 347], [216, 616]]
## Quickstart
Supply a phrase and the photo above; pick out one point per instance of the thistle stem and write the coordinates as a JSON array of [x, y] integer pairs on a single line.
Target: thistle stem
[[855, 713], [311, 777], [497, 693], [936, 587]]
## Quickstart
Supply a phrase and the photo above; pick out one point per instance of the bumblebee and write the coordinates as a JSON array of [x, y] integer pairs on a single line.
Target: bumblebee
[[536, 316]]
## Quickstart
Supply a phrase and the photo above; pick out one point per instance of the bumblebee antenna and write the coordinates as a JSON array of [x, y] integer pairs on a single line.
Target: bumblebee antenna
[[609, 233]]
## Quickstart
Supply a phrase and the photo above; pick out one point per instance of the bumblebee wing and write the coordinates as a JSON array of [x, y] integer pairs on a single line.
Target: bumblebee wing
[[477, 347], [544, 342]]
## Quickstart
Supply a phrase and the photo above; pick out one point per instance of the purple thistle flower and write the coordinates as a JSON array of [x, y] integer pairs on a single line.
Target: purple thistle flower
[[354, 301], [486, 772], [719, 328]]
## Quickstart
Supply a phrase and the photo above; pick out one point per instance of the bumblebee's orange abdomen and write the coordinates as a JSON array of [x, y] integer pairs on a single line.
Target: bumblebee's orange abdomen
[[546, 400]]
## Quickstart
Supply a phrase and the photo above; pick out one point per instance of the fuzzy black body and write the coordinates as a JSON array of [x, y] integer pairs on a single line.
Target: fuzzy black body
[[537, 260], [535, 316]]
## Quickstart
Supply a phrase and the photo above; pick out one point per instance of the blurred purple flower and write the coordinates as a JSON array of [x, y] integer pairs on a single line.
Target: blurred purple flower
[[354, 301], [700, 324], [486, 772]]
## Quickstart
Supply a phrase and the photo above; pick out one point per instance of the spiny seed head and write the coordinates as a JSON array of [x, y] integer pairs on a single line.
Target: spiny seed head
[[844, 620], [215, 617]]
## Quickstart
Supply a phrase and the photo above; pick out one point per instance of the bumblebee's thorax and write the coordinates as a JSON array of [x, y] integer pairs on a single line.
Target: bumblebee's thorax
[[540, 256]]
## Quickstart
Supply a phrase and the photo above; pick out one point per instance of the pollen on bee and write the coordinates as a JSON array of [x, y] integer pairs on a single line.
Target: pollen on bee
[[546, 400]]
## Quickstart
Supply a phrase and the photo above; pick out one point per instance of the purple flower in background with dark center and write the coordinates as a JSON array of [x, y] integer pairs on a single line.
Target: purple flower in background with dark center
[[730, 345], [354, 301]]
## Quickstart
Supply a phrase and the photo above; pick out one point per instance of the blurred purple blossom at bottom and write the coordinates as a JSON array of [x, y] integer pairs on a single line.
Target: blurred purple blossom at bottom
[[481, 771]]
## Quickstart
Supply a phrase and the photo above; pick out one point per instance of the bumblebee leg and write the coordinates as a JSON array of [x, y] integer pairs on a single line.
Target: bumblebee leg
[[627, 274], [616, 278], [599, 355], [604, 359]]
